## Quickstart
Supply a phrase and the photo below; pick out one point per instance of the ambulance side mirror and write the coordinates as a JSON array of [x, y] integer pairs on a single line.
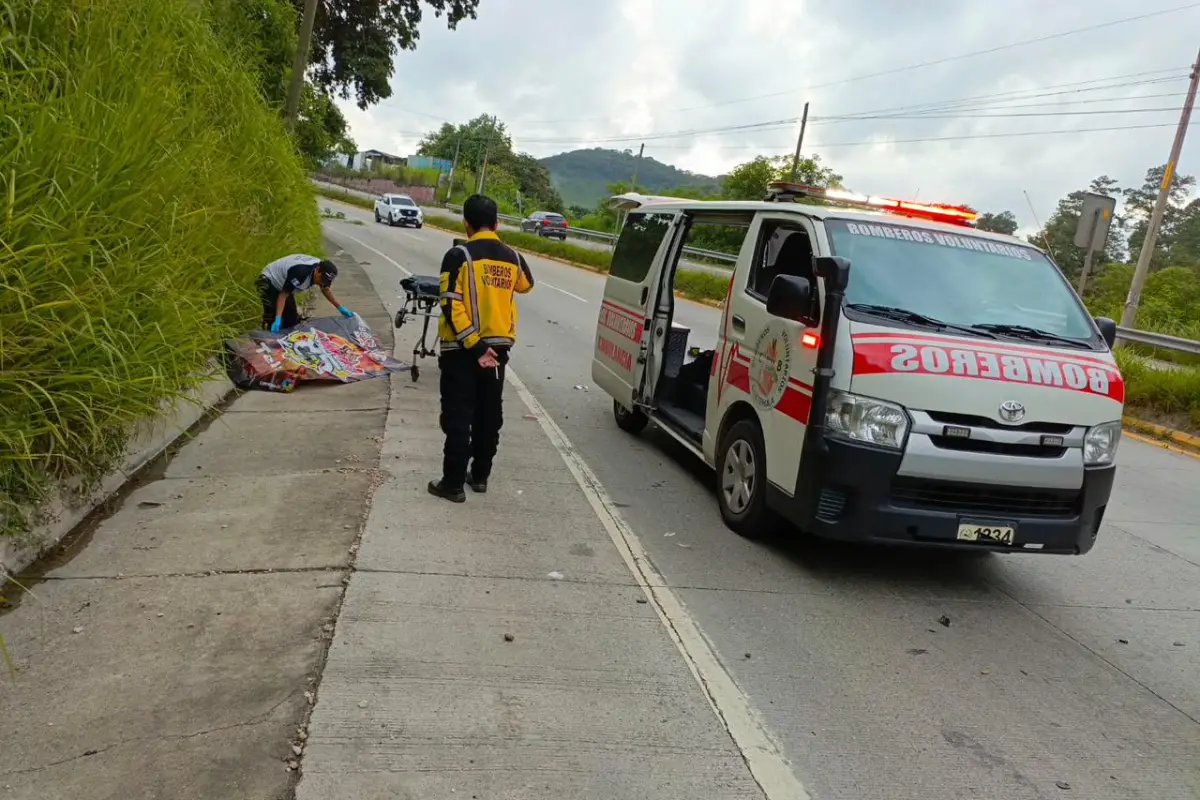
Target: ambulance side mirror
[[791, 298], [834, 270], [1108, 331]]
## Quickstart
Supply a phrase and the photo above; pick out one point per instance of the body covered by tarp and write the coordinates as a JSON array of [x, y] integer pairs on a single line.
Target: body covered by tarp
[[324, 349]]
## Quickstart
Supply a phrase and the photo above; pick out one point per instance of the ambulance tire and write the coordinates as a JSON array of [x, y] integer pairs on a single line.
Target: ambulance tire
[[749, 516], [630, 420]]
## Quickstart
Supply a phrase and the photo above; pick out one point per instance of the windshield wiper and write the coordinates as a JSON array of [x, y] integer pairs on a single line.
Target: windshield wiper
[[916, 318], [1026, 332]]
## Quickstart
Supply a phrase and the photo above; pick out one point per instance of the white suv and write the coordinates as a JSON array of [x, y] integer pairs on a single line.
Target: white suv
[[398, 209]]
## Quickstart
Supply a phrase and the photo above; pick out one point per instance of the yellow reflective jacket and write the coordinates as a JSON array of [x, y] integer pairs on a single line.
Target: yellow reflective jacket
[[479, 282]]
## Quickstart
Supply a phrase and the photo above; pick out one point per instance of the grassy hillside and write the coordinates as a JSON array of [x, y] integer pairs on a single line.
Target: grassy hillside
[[581, 176], [146, 183]]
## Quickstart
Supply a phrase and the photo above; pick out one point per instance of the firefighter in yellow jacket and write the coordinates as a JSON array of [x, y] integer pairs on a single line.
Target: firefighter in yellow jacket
[[479, 284]]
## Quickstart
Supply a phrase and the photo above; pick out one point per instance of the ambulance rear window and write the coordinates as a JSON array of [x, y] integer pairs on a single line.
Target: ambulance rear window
[[957, 278], [639, 242]]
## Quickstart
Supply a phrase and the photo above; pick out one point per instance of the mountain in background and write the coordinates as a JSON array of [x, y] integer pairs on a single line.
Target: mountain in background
[[581, 176]]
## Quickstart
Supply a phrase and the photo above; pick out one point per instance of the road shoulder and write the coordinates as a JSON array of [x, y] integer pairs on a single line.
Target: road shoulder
[[172, 649]]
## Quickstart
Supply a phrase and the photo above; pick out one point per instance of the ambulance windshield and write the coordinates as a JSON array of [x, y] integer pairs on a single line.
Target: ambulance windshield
[[961, 280]]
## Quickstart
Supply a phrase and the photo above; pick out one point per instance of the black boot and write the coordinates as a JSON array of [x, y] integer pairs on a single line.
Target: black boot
[[477, 486], [435, 489]]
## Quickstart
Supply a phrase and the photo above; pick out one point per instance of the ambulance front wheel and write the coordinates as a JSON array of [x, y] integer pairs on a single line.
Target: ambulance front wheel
[[630, 420], [742, 481]]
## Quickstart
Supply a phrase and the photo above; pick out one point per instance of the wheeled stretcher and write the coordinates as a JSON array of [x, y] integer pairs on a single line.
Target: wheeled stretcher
[[422, 296]]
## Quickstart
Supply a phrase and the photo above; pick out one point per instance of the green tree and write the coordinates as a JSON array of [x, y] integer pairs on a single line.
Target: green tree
[[749, 181], [1184, 249], [1140, 201], [355, 41], [472, 139], [507, 174], [1058, 234], [263, 34], [321, 130], [1004, 222]]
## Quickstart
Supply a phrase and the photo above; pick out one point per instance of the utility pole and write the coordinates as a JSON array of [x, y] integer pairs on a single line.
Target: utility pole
[[799, 142], [301, 61], [633, 183], [486, 151], [1129, 314], [453, 167]]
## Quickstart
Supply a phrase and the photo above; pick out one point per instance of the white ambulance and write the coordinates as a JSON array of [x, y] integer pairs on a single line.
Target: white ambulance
[[882, 372]]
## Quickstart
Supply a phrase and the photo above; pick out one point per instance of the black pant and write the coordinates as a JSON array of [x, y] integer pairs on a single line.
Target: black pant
[[269, 296], [472, 415]]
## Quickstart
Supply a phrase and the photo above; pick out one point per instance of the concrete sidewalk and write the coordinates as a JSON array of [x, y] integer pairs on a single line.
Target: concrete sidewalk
[[168, 652], [501, 649]]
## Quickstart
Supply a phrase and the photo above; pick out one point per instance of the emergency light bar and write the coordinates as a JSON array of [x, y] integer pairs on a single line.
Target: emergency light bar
[[783, 191]]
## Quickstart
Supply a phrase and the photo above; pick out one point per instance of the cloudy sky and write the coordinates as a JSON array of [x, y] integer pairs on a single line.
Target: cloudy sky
[[695, 80]]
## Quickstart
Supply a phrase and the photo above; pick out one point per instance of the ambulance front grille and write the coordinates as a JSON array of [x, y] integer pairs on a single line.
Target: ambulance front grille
[[975, 498], [975, 421]]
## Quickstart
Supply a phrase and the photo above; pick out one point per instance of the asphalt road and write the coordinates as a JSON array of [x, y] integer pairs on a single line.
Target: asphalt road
[[1055, 677], [589, 244]]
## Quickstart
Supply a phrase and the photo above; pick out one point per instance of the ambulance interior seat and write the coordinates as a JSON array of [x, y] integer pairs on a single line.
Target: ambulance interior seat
[[795, 258]]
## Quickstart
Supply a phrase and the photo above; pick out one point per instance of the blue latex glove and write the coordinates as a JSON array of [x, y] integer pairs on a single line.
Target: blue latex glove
[[276, 325], [345, 312]]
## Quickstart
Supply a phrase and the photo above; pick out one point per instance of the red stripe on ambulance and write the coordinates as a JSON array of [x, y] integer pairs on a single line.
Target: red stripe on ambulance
[[621, 323], [795, 403], [1044, 369]]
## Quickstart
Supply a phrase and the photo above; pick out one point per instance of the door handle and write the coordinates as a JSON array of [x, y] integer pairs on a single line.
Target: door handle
[[739, 322], [645, 294]]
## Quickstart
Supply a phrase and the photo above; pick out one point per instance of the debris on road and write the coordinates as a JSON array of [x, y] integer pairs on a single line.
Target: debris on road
[[944, 621], [1062, 784], [555, 576], [508, 637]]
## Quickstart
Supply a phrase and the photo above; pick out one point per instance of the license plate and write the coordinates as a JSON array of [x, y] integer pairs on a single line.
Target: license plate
[[986, 534]]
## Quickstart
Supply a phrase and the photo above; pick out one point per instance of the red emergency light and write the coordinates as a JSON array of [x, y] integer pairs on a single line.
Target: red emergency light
[[783, 191]]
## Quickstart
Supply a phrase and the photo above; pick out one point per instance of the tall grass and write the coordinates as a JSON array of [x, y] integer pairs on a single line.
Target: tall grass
[[143, 183]]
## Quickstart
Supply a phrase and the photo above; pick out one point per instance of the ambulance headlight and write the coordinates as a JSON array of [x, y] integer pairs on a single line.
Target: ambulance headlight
[[1100, 444], [866, 420]]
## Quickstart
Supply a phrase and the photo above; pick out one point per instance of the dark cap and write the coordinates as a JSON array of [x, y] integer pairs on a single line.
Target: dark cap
[[328, 272]]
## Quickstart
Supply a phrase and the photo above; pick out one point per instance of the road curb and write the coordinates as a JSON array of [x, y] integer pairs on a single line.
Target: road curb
[[1161, 435], [63, 511]]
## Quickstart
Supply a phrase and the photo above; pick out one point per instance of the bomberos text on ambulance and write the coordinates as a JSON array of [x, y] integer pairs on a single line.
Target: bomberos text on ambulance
[[883, 372]]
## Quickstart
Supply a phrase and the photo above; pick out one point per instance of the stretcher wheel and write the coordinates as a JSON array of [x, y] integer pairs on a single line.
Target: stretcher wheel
[[415, 372], [400, 317]]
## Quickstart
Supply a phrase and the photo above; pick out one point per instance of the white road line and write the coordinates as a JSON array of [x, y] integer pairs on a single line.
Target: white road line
[[555, 288], [765, 759], [382, 255]]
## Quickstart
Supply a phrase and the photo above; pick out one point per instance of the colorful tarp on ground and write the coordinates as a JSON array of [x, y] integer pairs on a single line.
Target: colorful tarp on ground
[[324, 349]]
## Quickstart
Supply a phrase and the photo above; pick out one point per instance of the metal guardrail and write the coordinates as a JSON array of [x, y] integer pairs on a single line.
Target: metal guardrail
[[1159, 340], [611, 239]]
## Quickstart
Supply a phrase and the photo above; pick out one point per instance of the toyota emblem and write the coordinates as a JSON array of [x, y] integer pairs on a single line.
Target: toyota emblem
[[1012, 411]]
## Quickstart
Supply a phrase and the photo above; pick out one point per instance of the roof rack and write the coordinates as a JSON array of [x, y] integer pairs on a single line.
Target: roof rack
[[786, 192]]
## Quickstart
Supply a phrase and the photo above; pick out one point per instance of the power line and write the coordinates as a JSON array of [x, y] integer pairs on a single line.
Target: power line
[[910, 67], [1026, 94], [976, 115], [869, 143], [918, 111]]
